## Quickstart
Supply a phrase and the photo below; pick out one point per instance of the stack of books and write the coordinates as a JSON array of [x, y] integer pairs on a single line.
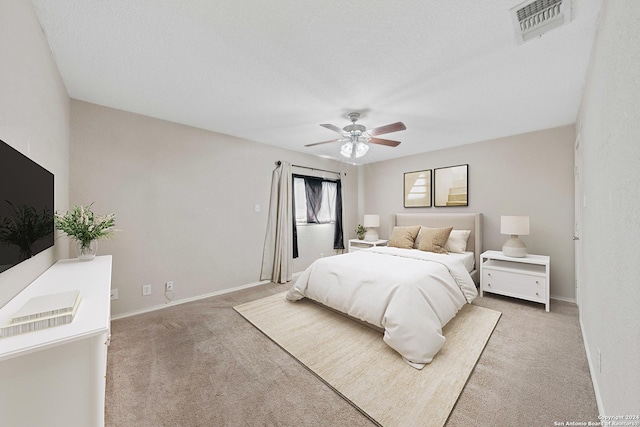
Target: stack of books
[[41, 312]]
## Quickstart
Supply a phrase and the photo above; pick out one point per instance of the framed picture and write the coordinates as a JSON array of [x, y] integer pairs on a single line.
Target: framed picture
[[451, 186], [417, 189]]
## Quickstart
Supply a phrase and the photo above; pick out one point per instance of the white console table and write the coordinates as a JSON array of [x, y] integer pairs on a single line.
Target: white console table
[[56, 376]]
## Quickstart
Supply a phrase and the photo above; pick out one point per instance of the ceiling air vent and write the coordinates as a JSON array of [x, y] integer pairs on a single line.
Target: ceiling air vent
[[534, 18]]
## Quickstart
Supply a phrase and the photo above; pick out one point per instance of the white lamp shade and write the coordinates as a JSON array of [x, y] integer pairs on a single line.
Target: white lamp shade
[[370, 223], [372, 220], [514, 225]]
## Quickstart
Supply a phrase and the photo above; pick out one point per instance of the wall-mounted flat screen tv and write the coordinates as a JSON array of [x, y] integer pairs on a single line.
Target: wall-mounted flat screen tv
[[26, 207]]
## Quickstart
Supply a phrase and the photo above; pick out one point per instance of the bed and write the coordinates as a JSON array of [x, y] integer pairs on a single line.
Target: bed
[[409, 293]]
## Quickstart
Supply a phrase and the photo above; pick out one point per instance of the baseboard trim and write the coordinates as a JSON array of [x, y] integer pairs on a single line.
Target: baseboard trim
[[592, 370], [196, 298], [185, 300], [565, 299]]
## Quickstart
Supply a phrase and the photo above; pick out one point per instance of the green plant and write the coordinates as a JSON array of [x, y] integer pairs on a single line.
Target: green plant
[[84, 226], [25, 227], [360, 231]]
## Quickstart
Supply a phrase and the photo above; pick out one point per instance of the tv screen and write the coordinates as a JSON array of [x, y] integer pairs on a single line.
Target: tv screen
[[26, 207]]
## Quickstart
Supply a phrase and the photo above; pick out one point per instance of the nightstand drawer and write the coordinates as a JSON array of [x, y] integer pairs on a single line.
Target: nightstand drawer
[[515, 284]]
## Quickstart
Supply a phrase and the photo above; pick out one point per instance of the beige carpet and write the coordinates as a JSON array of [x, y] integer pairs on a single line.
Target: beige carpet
[[353, 359]]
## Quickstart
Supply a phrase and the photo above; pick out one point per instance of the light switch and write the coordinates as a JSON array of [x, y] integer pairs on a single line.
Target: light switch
[[257, 208]]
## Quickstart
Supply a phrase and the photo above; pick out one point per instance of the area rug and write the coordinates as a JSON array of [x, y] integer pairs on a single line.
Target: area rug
[[352, 358]]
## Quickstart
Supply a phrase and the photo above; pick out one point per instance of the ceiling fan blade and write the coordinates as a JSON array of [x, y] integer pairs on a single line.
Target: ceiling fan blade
[[323, 142], [393, 127], [386, 142], [332, 127]]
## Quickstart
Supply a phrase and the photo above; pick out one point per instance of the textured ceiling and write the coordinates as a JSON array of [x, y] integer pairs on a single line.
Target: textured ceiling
[[272, 70]]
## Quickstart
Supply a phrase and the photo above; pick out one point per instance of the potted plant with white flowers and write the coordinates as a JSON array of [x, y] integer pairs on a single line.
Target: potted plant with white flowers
[[86, 228]]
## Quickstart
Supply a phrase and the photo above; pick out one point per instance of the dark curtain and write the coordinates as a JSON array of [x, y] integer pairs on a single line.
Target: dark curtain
[[313, 190], [338, 239], [295, 228]]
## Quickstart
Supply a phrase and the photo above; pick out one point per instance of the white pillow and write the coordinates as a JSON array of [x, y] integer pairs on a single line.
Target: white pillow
[[457, 241]]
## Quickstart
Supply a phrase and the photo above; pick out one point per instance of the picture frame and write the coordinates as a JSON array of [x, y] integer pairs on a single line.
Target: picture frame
[[451, 186], [417, 189]]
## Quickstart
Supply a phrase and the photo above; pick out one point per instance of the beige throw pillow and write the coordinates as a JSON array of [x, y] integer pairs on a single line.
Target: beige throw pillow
[[403, 237], [434, 239], [457, 241]]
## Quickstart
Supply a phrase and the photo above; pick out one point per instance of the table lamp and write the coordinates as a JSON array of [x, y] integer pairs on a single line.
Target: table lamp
[[515, 226], [371, 222]]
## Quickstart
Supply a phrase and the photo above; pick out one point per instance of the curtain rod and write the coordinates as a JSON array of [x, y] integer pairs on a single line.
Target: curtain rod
[[313, 169]]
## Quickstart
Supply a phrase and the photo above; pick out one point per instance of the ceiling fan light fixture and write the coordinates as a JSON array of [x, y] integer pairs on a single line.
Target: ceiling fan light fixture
[[347, 149], [361, 149]]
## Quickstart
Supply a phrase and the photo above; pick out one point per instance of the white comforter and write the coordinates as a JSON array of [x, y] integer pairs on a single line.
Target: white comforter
[[410, 293]]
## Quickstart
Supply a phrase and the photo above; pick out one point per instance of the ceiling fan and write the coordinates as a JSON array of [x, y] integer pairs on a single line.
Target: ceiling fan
[[357, 138]]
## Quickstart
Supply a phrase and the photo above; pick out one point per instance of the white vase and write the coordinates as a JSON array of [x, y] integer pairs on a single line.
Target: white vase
[[88, 252]]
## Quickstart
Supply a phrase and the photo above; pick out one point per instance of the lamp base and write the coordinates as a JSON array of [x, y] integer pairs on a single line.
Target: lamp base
[[514, 248], [371, 236]]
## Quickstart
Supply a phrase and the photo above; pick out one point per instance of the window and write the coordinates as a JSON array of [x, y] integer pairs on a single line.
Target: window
[[315, 200]]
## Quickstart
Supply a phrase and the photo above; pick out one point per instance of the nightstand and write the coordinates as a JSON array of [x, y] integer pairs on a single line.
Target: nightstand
[[525, 278], [356, 244]]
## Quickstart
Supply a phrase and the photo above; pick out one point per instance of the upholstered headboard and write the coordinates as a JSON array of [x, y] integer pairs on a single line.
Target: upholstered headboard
[[459, 221]]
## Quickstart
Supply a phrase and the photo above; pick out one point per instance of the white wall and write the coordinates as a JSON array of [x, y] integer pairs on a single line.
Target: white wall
[[529, 174], [609, 126], [34, 119], [184, 200], [316, 241]]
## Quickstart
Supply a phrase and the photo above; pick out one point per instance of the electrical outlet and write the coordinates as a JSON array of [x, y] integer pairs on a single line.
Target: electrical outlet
[[146, 290], [168, 287], [114, 294]]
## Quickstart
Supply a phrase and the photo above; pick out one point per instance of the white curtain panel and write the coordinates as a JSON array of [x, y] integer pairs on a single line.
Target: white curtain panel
[[277, 258]]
